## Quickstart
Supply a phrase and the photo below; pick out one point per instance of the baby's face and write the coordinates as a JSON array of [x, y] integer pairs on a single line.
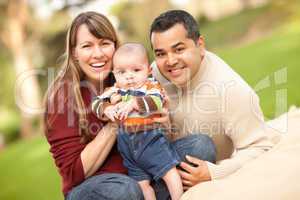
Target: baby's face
[[131, 72]]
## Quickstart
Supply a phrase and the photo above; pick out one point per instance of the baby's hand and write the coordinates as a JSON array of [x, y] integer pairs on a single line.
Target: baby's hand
[[124, 108], [111, 112], [115, 98]]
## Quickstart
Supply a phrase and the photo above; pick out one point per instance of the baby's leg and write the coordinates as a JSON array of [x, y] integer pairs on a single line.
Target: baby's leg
[[147, 189], [174, 184]]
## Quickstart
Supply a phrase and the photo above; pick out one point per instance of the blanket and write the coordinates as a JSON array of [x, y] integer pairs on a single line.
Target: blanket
[[274, 175]]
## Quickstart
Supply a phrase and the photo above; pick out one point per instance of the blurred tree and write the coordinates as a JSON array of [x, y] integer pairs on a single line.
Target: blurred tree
[[24, 41], [14, 37], [135, 18]]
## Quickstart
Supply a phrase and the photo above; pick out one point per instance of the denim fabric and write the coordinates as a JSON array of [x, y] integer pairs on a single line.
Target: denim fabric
[[147, 155], [108, 186], [120, 187], [197, 145]]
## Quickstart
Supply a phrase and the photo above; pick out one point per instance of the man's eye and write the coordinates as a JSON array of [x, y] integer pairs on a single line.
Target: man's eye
[[160, 54], [86, 46], [179, 50]]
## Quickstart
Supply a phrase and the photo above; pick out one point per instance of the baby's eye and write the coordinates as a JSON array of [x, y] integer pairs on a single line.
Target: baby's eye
[[137, 70]]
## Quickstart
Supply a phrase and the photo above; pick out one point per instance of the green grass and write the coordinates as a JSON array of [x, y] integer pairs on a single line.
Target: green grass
[[28, 172], [227, 30], [263, 58]]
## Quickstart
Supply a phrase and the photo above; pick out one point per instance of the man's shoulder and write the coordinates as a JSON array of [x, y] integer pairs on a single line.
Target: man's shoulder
[[219, 70]]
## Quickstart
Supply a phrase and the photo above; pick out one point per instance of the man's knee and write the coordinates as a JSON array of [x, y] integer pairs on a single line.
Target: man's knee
[[205, 146], [197, 145]]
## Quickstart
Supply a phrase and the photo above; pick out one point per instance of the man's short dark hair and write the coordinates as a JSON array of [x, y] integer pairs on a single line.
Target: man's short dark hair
[[170, 18]]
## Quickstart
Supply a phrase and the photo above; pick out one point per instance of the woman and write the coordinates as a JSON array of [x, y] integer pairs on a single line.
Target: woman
[[83, 147]]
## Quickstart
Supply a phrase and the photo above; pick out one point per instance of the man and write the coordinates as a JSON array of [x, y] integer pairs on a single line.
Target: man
[[206, 96]]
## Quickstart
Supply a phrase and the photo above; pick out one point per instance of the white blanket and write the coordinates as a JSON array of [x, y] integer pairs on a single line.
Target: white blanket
[[274, 175]]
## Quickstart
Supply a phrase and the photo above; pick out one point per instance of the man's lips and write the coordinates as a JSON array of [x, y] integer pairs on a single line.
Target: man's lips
[[176, 71]]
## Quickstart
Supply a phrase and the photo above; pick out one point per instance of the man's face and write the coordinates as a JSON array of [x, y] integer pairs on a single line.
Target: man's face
[[177, 56]]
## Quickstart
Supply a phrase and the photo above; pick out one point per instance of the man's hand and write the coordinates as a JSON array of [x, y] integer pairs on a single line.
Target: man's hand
[[193, 174]]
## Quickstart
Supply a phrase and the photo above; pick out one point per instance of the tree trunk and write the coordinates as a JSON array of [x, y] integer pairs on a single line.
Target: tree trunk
[[27, 91]]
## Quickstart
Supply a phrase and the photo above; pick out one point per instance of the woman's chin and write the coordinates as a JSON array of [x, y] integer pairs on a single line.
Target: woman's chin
[[97, 78]]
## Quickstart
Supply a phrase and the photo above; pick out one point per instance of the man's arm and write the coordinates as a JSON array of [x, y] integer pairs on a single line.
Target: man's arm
[[244, 124]]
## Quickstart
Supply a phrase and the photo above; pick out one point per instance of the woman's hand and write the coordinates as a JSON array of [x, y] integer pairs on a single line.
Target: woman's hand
[[193, 174]]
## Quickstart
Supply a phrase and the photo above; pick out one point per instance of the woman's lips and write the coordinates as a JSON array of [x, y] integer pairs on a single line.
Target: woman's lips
[[98, 65]]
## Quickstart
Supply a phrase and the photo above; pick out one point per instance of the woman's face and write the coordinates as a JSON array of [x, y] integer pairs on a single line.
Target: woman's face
[[94, 55]]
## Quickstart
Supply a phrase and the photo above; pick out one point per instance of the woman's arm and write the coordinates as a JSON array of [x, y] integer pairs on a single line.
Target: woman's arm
[[95, 153]]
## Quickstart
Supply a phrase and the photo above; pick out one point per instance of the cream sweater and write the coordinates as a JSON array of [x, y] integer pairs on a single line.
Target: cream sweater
[[218, 102]]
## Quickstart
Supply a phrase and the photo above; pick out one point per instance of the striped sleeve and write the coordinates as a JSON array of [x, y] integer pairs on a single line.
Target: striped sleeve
[[153, 100]]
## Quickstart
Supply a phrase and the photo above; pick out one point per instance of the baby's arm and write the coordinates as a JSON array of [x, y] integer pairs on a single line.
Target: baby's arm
[[149, 104], [103, 107], [152, 102]]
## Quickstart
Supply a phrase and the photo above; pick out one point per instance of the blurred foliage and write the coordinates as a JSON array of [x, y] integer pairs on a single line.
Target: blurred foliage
[[263, 58], [10, 124], [247, 25], [136, 18]]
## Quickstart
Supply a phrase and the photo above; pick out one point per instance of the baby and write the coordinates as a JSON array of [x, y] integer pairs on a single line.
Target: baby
[[133, 102]]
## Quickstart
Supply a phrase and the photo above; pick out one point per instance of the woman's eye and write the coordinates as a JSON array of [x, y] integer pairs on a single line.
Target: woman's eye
[[86, 46], [106, 42]]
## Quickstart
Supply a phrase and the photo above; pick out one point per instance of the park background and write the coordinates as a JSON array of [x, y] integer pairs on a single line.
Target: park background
[[260, 39]]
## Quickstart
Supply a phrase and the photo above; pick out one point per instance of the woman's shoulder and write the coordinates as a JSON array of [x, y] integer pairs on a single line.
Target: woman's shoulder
[[59, 109]]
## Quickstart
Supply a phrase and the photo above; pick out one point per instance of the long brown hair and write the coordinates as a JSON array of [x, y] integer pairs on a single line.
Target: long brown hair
[[71, 73]]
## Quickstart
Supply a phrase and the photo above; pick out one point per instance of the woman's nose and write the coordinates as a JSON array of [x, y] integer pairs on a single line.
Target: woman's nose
[[98, 52]]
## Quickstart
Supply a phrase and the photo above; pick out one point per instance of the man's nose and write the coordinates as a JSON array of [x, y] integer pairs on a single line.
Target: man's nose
[[172, 59]]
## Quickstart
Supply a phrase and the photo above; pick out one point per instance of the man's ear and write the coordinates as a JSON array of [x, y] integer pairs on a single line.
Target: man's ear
[[201, 41], [150, 70]]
